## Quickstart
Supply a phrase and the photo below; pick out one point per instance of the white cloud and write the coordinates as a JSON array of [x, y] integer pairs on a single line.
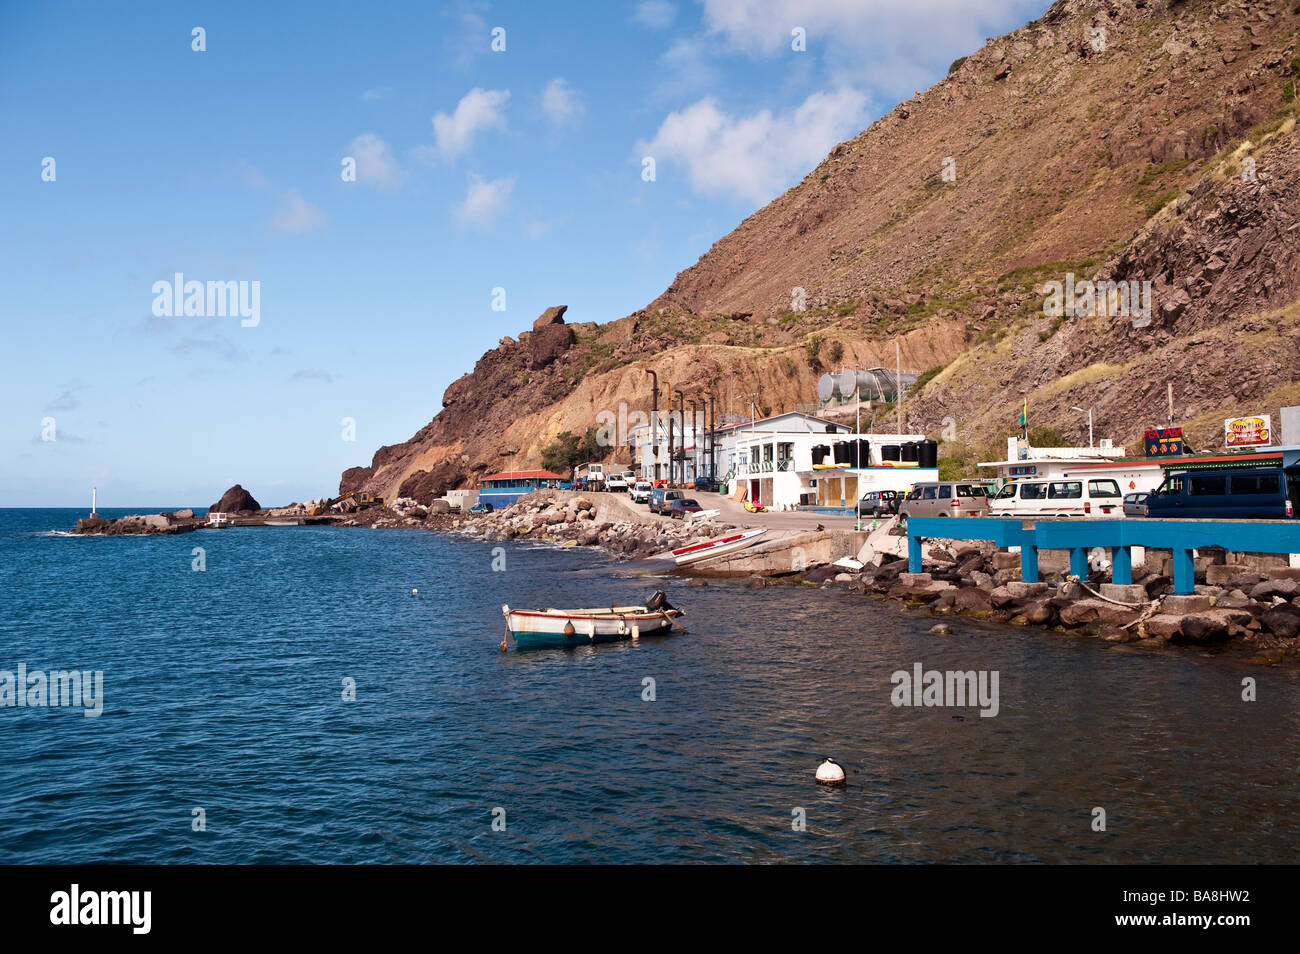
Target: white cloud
[[312, 374], [297, 214], [690, 66], [889, 44], [250, 174], [377, 93], [753, 158], [375, 164], [478, 109], [765, 25], [537, 228], [485, 200], [655, 14], [561, 102]]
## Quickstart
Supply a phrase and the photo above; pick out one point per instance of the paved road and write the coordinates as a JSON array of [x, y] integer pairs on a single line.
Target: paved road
[[620, 506]]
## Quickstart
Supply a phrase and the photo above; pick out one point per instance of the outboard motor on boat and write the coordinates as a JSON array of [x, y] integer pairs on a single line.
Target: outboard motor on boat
[[658, 601]]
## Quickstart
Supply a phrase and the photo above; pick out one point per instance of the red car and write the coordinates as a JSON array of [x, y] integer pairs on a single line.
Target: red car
[[677, 509]]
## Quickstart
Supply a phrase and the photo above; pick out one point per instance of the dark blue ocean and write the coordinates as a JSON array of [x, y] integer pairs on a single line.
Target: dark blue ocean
[[223, 692]]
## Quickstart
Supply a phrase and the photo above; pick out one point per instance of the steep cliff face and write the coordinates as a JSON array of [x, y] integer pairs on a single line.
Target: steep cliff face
[[1109, 139], [1224, 265]]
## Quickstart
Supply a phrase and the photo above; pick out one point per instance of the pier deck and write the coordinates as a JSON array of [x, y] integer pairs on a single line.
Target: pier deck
[[1118, 536]]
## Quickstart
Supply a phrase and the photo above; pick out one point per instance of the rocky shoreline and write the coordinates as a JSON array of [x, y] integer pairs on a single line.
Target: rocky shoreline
[[1258, 606]]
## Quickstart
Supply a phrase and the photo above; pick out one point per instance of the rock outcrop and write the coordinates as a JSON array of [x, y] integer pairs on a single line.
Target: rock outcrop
[[235, 500]]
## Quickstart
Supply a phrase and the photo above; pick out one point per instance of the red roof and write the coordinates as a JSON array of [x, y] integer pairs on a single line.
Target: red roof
[[523, 475]]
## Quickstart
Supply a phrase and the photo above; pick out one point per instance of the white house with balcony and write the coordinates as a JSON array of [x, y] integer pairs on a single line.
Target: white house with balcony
[[797, 460]]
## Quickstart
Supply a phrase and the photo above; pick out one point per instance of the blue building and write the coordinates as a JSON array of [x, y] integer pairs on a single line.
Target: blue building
[[503, 489]]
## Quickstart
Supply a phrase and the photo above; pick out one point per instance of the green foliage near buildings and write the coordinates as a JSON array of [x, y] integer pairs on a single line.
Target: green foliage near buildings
[[562, 454], [924, 378], [1047, 437]]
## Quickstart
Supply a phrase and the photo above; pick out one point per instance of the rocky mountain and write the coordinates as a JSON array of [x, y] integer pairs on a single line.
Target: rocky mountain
[[1137, 141]]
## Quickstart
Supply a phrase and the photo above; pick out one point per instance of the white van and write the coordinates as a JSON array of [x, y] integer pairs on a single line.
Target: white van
[[1092, 497]]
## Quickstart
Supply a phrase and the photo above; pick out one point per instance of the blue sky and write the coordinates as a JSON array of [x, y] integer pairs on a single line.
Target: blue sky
[[476, 169]]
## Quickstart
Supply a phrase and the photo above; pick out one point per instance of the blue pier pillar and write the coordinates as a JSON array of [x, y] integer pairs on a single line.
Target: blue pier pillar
[[1121, 565], [913, 553], [1028, 563], [1184, 572], [1079, 562]]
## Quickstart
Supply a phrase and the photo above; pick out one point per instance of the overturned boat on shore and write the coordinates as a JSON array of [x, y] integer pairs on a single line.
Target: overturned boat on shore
[[728, 543], [574, 627]]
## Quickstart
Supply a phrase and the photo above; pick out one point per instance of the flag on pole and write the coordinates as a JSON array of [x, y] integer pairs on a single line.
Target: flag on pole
[[1024, 414]]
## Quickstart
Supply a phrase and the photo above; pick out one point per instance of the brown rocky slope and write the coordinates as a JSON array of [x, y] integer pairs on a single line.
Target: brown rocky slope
[[1107, 138]]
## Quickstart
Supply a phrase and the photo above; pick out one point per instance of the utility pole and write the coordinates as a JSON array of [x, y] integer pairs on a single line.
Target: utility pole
[[1169, 421], [898, 383], [713, 437], [669, 389], [1080, 410], [681, 402], [695, 441], [654, 425]]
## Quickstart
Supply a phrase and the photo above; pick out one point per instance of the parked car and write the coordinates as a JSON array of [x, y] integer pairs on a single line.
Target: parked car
[[947, 498], [706, 485], [1265, 493], [679, 508], [662, 498], [1135, 505], [640, 491], [616, 483], [879, 503], [483, 507], [1096, 497]]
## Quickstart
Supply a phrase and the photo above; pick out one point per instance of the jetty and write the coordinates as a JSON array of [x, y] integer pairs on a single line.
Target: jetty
[[1181, 538]]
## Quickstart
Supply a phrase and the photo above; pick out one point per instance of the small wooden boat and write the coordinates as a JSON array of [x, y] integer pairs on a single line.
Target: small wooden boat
[[574, 627], [729, 543]]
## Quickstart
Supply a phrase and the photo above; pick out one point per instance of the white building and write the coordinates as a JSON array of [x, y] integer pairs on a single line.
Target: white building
[[692, 458], [1048, 463], [797, 460]]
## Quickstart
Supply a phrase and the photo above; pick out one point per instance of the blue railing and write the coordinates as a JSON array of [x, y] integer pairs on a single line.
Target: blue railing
[[1118, 536]]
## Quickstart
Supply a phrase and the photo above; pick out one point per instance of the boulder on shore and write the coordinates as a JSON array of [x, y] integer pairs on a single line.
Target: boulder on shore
[[234, 500]]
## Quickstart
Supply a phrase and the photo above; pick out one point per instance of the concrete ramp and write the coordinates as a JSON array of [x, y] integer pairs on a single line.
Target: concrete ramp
[[785, 551]]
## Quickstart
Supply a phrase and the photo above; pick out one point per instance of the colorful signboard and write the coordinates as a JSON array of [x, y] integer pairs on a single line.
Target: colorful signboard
[[1164, 441], [1248, 431]]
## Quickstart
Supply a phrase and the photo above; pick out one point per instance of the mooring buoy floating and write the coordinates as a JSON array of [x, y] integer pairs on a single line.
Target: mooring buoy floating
[[415, 592], [830, 772]]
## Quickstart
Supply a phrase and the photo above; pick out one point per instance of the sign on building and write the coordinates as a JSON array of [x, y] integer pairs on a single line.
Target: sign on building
[[1164, 442], [1248, 431]]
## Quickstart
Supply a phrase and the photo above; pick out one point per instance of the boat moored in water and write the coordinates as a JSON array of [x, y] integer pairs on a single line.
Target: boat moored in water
[[574, 627]]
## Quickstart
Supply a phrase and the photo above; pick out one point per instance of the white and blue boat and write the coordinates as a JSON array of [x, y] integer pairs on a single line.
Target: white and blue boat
[[576, 627]]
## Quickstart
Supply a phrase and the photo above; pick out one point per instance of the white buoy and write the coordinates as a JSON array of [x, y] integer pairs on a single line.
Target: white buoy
[[415, 592], [830, 772]]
